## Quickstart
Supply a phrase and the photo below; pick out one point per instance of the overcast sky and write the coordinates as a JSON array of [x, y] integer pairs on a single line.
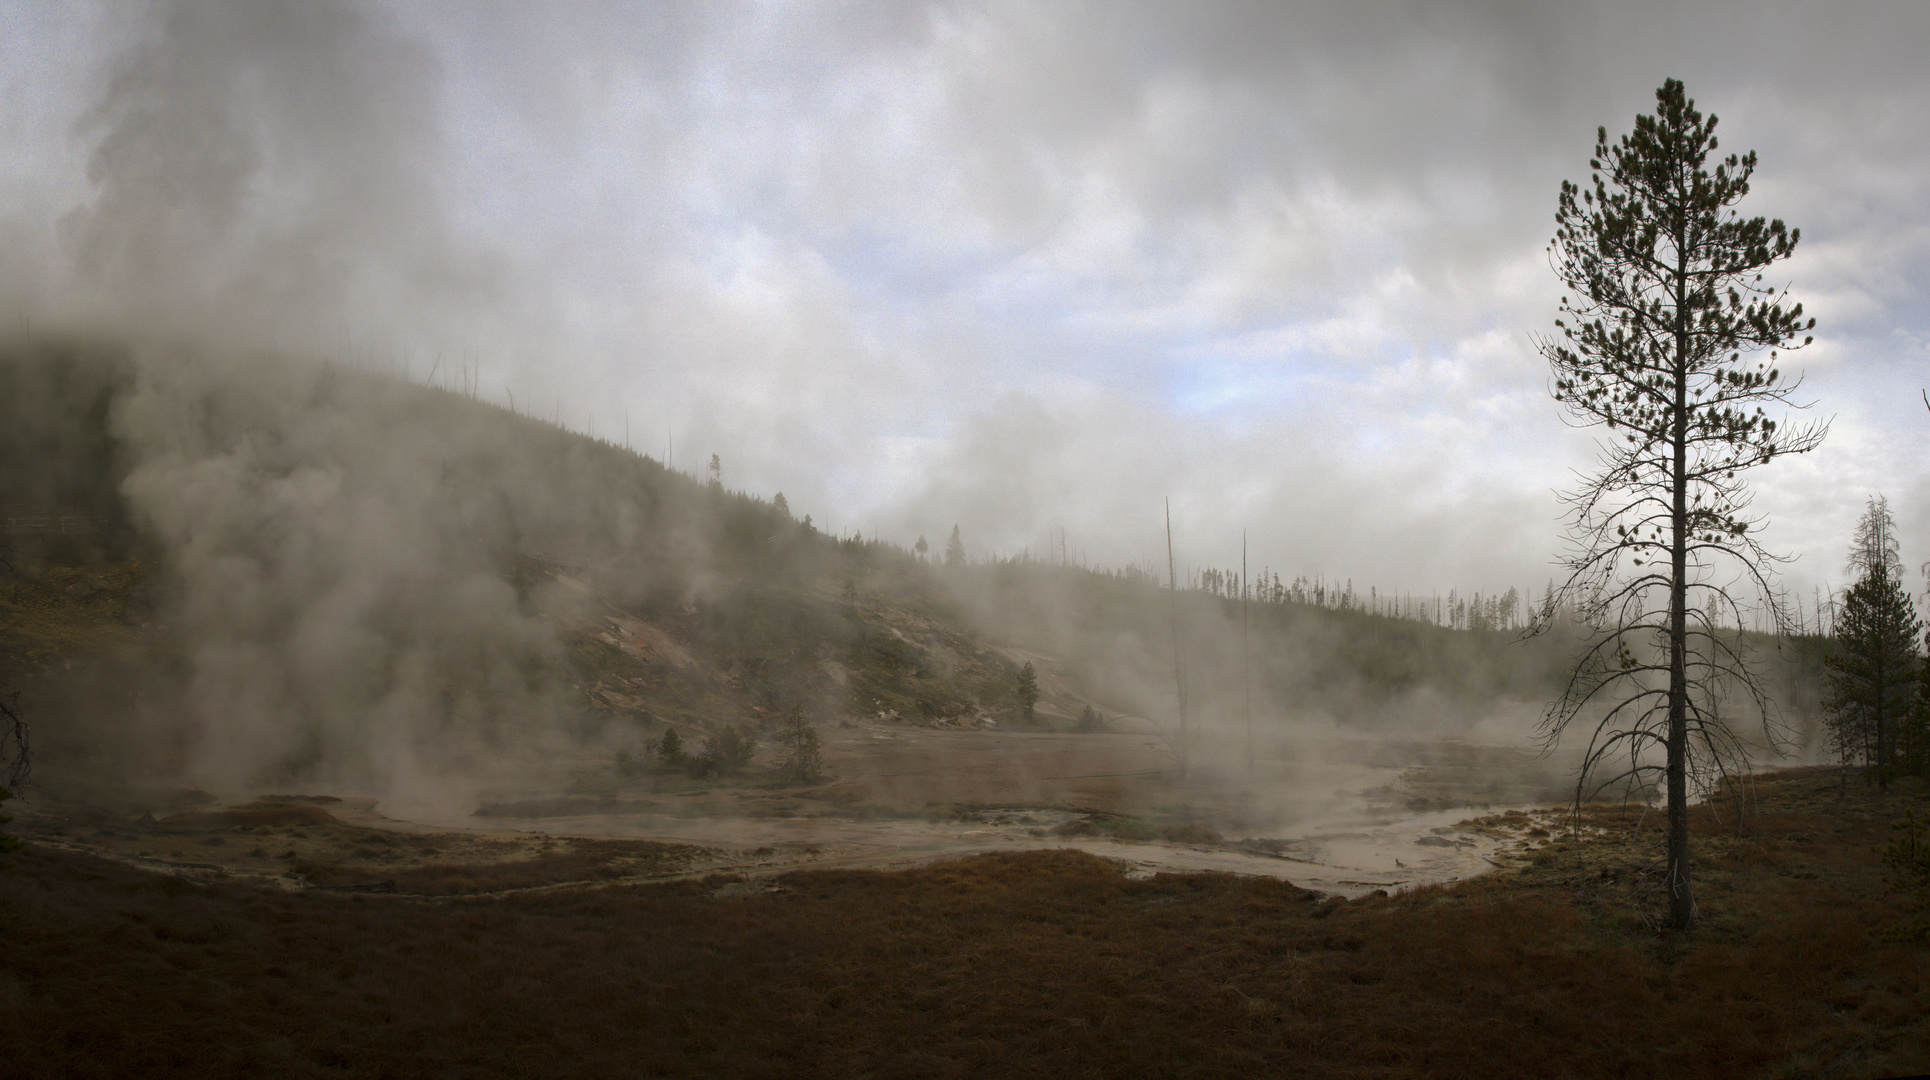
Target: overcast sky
[[1024, 267]]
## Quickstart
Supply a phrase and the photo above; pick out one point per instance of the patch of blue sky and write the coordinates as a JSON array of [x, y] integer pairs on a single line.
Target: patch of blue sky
[[1236, 389], [891, 268]]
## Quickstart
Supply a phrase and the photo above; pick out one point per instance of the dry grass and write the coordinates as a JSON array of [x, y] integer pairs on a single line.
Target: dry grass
[[1049, 964], [566, 860], [303, 843], [54, 612]]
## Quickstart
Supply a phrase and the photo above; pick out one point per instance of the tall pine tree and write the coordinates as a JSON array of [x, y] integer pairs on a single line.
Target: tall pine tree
[[1028, 690], [1873, 671], [1667, 306]]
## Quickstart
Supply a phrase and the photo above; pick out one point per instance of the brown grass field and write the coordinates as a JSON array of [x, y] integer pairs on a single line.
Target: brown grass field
[[1041, 964]]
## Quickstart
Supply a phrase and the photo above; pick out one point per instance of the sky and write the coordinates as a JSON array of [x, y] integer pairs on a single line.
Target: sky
[[1030, 269]]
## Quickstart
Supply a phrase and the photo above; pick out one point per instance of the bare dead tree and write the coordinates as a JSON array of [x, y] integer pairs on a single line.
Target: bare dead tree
[[1246, 659], [1179, 656], [1664, 558]]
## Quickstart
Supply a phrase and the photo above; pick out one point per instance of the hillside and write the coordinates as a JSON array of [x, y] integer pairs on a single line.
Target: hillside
[[326, 546], [263, 573]]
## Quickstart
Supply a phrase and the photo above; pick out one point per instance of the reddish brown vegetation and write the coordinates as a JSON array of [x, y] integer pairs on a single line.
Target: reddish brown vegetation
[[1049, 964], [573, 860], [258, 814]]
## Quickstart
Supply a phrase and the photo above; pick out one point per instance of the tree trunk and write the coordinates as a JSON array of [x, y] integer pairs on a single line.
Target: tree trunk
[[1179, 662], [1882, 692], [1681, 895], [1246, 660]]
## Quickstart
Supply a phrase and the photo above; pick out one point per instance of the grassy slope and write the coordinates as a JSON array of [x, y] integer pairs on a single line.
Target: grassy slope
[[747, 608], [1350, 662], [1112, 634], [1048, 964], [773, 622]]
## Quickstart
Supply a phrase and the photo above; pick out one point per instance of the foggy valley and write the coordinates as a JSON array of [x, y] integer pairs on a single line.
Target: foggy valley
[[954, 540]]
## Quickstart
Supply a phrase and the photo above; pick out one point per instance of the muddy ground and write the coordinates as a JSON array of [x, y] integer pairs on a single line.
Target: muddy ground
[[1344, 816], [1039, 963]]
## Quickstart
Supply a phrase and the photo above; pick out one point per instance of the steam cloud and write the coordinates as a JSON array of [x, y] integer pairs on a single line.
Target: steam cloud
[[271, 181]]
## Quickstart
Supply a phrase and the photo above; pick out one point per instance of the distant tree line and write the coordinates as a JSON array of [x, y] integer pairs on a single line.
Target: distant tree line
[[1456, 610], [1511, 610]]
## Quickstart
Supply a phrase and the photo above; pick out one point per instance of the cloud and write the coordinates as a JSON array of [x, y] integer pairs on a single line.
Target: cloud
[[271, 170], [847, 247]]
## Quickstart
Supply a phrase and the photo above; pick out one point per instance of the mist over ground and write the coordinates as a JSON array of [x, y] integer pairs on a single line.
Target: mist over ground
[[289, 574], [345, 276]]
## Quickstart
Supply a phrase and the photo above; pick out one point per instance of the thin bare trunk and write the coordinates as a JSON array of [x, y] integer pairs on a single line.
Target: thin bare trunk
[[1681, 893], [1179, 661]]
